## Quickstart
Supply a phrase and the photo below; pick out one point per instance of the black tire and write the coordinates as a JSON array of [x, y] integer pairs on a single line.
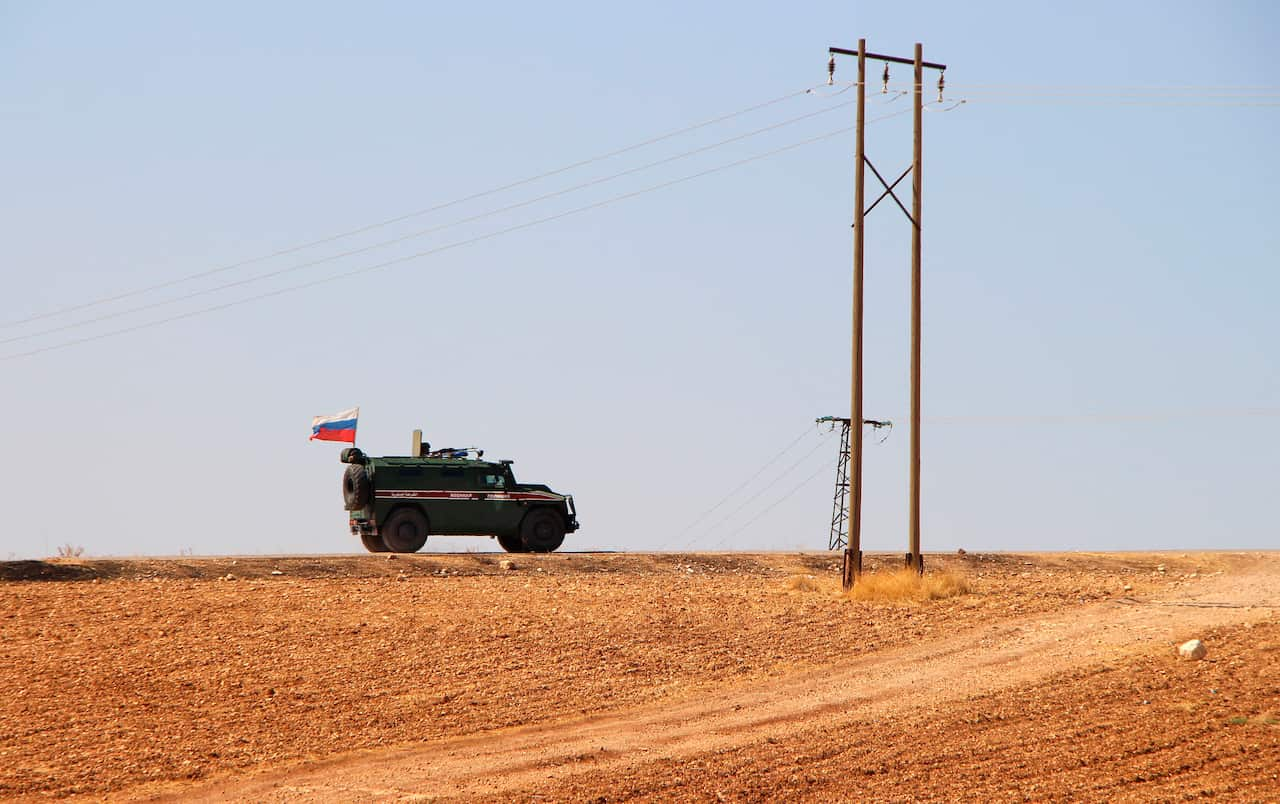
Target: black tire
[[542, 531], [512, 543], [355, 487], [405, 531], [373, 544]]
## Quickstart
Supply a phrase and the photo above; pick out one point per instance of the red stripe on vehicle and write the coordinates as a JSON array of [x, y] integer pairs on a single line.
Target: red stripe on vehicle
[[493, 496]]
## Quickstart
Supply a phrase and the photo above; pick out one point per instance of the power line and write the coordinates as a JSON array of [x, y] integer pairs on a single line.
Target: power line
[[421, 232], [806, 431], [1131, 89], [446, 247], [1005, 89], [1105, 95], [822, 444], [1103, 98], [1208, 415], [826, 467], [1154, 102], [1086, 88], [975, 91], [738, 529], [407, 216]]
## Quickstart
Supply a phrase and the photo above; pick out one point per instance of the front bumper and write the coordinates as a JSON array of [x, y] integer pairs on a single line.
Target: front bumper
[[572, 522]]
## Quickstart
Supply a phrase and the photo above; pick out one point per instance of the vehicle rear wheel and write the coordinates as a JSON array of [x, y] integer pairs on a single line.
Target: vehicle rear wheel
[[542, 531], [405, 531], [512, 543], [373, 543]]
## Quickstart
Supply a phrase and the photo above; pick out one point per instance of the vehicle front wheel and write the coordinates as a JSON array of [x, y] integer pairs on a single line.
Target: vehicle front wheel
[[373, 543], [405, 531], [511, 543], [542, 531]]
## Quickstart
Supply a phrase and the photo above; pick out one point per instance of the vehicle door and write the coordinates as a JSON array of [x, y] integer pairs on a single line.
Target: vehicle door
[[451, 507], [497, 512]]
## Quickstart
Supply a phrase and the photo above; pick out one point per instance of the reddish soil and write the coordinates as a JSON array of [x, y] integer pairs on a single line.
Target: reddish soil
[[1154, 729], [703, 676]]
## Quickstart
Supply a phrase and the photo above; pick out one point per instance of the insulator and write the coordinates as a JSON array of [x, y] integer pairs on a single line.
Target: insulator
[[831, 70], [884, 79], [942, 83]]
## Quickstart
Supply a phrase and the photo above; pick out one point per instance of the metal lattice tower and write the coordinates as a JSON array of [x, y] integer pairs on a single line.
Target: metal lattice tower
[[839, 538], [839, 510]]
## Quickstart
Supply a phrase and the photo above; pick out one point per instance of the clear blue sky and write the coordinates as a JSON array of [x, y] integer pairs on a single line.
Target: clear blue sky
[[1110, 265]]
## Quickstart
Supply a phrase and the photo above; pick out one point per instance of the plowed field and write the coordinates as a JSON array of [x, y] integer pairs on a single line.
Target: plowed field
[[704, 677]]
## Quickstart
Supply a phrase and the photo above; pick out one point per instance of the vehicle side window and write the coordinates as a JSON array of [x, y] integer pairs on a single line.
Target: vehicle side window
[[493, 481], [452, 478]]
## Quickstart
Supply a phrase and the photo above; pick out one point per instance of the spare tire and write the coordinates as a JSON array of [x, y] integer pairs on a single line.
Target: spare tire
[[356, 488]]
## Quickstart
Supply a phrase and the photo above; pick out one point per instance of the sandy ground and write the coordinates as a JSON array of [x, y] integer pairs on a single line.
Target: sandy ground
[[654, 676]]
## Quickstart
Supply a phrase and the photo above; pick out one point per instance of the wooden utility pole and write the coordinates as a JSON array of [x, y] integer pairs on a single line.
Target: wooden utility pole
[[852, 569], [914, 558]]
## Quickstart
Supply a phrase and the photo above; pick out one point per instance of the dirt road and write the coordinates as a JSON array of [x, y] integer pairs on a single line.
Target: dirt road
[[877, 686]]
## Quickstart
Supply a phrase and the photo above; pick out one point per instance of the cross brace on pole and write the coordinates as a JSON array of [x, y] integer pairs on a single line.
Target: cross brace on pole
[[888, 190]]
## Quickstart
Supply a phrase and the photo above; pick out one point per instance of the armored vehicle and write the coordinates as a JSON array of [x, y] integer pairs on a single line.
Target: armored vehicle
[[394, 503]]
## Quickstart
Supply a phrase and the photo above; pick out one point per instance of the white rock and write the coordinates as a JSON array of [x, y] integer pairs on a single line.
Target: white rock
[[507, 564], [276, 572], [1193, 650]]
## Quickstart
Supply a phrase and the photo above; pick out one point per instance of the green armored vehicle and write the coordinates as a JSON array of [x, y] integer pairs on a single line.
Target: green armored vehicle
[[394, 503]]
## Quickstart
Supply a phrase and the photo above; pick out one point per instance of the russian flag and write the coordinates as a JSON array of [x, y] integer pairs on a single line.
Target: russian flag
[[338, 427]]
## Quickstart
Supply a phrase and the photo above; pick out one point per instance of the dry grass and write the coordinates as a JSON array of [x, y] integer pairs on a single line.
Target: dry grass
[[905, 585], [801, 583]]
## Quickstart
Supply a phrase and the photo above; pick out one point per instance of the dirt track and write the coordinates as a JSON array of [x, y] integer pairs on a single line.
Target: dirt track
[[667, 676]]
